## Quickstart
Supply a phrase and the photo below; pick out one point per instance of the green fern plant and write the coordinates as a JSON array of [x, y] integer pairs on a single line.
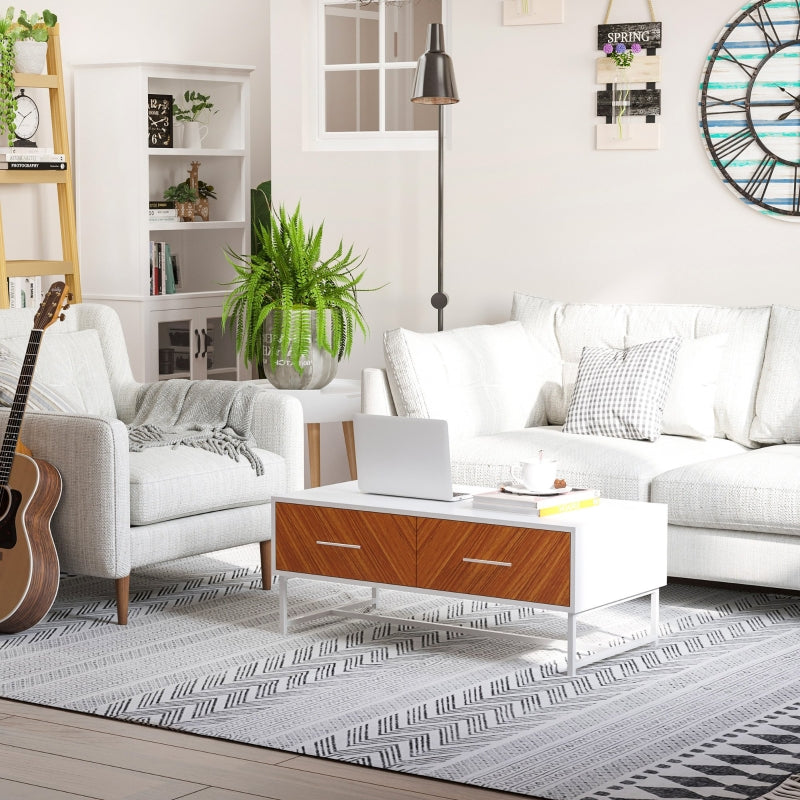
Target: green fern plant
[[287, 273]]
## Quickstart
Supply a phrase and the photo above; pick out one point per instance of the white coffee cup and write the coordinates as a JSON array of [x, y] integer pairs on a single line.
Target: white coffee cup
[[536, 475]]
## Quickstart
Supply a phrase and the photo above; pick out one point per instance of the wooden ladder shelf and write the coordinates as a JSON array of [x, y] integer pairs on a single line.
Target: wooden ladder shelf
[[68, 265]]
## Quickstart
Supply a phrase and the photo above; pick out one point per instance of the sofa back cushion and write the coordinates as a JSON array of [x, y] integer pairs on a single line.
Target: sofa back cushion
[[777, 418], [564, 329], [482, 379]]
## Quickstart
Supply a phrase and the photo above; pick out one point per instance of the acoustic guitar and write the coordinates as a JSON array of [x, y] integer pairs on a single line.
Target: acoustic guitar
[[29, 493]]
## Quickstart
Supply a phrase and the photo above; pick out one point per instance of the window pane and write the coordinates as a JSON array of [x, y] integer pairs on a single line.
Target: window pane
[[351, 34], [351, 101], [401, 113], [407, 28]]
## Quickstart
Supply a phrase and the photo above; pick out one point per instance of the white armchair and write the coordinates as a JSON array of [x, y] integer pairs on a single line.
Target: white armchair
[[121, 510]]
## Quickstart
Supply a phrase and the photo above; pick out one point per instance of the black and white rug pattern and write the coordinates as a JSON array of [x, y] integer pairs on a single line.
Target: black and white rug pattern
[[710, 711]]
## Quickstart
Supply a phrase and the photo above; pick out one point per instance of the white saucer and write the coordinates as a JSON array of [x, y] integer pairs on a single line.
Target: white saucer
[[518, 488]]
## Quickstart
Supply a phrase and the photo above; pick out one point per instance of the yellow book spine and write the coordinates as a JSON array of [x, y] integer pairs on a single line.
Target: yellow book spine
[[573, 506]]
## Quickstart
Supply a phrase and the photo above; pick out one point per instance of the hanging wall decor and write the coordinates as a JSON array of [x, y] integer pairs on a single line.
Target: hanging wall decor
[[532, 12], [629, 68]]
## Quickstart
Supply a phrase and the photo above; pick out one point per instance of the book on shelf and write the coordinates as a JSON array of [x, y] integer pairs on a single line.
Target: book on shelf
[[540, 505], [27, 150], [28, 165], [161, 204], [162, 269], [32, 158], [25, 292], [162, 214]]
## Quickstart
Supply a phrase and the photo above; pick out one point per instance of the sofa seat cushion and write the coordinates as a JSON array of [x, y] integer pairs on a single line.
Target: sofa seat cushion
[[171, 482], [620, 468], [754, 491]]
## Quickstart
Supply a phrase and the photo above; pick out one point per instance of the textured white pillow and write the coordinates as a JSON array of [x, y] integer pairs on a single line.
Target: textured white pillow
[[70, 365], [482, 379], [689, 408], [40, 397], [621, 392]]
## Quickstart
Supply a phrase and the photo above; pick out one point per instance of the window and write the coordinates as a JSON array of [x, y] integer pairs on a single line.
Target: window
[[368, 55]]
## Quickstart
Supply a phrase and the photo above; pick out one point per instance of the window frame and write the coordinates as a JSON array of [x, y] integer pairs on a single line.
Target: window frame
[[381, 139]]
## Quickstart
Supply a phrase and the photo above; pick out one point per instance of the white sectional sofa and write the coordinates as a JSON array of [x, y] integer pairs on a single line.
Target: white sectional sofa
[[727, 462]]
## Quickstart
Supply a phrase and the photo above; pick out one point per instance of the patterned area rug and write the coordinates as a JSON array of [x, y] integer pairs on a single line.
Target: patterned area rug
[[710, 711]]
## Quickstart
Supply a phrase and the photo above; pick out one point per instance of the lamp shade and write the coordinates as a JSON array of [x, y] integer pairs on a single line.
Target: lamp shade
[[435, 81]]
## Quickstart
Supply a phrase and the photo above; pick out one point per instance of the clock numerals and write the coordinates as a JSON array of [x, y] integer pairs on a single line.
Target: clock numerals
[[714, 105], [759, 181], [762, 20], [730, 148], [748, 69]]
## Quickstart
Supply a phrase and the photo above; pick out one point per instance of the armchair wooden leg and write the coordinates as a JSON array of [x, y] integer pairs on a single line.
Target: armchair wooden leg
[[266, 564], [123, 590]]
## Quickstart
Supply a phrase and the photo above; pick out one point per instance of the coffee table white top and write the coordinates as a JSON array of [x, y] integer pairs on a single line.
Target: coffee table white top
[[607, 513]]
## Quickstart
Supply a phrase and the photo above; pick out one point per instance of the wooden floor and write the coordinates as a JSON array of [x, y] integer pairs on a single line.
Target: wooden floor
[[47, 754]]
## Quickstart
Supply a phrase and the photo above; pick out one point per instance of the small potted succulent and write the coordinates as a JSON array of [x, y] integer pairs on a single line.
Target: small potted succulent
[[184, 196]]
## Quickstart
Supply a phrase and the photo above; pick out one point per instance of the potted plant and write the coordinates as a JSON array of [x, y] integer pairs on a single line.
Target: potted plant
[[198, 108], [184, 196], [293, 310], [31, 33], [15, 36]]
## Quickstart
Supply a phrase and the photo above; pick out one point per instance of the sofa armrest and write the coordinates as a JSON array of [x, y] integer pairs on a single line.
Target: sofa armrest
[[91, 524], [376, 396], [277, 426]]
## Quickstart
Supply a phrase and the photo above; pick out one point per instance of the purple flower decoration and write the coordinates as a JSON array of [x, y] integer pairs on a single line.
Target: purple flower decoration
[[636, 48], [620, 48], [608, 48]]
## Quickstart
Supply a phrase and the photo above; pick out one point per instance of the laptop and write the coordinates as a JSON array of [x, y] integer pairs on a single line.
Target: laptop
[[404, 457]]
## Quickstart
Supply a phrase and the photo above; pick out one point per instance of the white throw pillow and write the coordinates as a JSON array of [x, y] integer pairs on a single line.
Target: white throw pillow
[[689, 408], [71, 366], [622, 392], [482, 379], [40, 396]]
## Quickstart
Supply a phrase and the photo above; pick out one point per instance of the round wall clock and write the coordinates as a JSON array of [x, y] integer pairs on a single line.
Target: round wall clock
[[750, 106]]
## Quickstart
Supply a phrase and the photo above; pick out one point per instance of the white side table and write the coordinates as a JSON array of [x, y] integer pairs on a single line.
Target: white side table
[[336, 402]]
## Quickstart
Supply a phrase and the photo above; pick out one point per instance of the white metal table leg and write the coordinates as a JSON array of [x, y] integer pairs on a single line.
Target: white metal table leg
[[572, 635], [283, 604], [654, 614]]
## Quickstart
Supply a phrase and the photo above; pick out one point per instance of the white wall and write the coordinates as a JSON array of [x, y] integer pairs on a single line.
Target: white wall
[[529, 202]]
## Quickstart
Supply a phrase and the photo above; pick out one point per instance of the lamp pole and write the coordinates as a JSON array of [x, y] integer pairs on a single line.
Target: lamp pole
[[435, 84]]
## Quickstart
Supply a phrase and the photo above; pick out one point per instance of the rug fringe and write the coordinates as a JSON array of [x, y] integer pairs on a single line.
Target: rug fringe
[[788, 790]]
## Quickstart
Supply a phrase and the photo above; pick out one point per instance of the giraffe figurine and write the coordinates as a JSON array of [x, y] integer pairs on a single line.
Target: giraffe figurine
[[200, 206]]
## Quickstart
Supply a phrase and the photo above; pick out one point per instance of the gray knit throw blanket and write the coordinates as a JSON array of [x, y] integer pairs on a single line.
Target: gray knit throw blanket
[[211, 415]]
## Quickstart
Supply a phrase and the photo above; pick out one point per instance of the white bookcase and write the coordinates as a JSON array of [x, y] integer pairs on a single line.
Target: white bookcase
[[117, 173]]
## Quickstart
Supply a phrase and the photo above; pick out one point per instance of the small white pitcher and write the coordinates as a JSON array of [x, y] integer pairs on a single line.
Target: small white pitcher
[[193, 135]]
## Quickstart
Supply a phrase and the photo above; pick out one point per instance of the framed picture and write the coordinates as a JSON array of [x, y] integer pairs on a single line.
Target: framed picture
[[159, 120]]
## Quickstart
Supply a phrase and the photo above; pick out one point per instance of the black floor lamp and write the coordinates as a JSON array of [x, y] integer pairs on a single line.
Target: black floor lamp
[[435, 84]]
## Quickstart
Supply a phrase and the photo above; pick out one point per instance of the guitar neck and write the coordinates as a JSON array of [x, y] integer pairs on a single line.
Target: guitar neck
[[11, 438]]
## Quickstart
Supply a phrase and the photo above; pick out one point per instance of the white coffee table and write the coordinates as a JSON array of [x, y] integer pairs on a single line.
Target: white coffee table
[[573, 562]]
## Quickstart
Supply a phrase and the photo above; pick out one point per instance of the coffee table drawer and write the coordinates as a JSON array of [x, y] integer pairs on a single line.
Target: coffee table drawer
[[340, 543], [494, 561]]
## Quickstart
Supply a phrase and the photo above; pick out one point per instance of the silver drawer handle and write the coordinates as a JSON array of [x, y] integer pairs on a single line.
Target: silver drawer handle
[[484, 561], [339, 544]]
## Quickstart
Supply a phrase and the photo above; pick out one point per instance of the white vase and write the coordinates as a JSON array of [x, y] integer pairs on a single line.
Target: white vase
[[193, 135], [30, 57]]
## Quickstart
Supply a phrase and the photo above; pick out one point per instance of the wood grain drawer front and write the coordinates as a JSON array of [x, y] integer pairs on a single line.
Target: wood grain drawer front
[[494, 561], [342, 543]]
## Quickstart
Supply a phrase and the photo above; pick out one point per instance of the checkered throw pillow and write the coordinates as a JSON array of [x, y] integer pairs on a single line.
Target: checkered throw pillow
[[621, 392]]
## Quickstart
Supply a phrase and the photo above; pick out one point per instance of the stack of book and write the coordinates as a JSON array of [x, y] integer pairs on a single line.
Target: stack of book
[[539, 505], [162, 211], [164, 272], [22, 158]]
